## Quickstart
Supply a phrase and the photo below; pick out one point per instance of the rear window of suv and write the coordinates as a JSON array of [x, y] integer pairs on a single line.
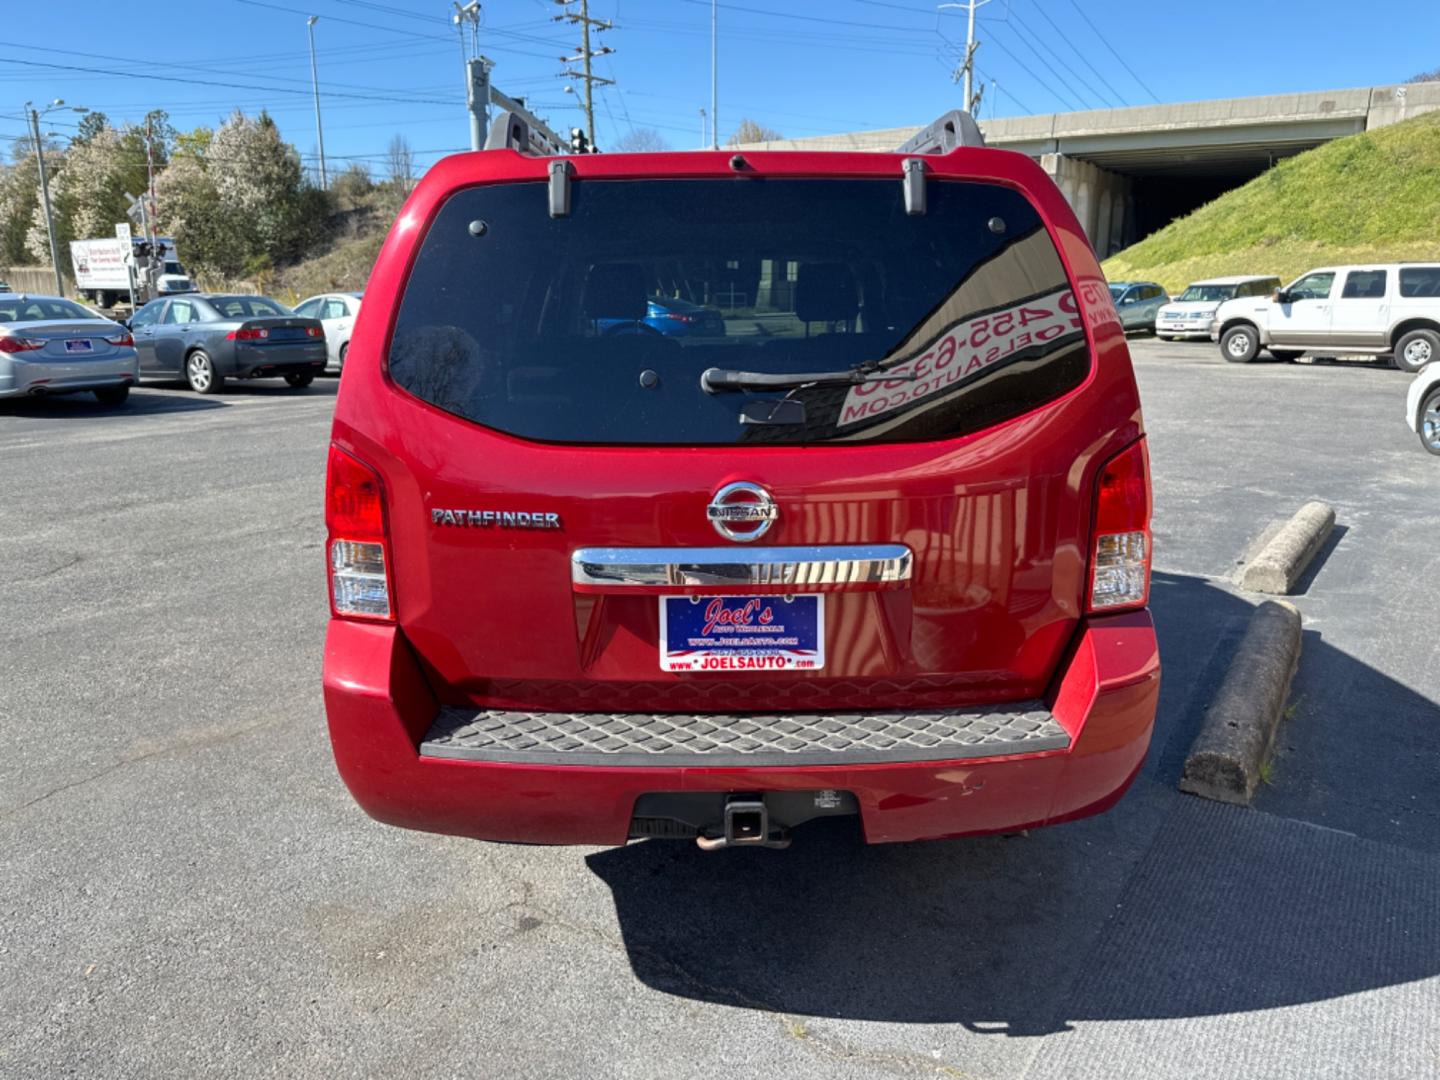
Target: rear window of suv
[[595, 328], [1420, 281]]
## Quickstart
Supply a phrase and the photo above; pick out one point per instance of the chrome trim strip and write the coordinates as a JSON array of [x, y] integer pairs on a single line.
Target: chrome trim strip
[[801, 566]]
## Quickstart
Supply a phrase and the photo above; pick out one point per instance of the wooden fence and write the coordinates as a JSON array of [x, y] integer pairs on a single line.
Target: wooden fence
[[32, 279]]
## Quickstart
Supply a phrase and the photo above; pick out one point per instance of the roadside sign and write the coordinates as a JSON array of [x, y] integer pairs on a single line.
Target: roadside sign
[[122, 231]]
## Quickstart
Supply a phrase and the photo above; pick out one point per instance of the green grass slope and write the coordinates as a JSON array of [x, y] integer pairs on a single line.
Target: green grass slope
[[1373, 197]]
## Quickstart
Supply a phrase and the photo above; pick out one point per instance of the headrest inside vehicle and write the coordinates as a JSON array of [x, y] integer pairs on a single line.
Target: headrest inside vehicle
[[825, 292], [615, 291]]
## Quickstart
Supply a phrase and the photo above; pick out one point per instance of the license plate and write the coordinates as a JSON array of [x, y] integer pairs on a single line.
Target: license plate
[[79, 345], [742, 633]]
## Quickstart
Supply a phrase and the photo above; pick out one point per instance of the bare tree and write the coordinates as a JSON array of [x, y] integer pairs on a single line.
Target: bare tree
[[751, 132], [1425, 76], [641, 141], [400, 163]]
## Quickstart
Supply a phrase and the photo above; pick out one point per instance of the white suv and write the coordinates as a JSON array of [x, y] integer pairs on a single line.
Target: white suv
[[1389, 309]]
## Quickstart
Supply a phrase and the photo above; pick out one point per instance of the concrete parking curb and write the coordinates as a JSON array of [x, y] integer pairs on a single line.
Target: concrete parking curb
[[1281, 562], [1225, 760]]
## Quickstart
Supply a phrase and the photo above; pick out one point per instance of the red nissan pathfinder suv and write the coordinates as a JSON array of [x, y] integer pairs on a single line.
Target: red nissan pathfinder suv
[[866, 532]]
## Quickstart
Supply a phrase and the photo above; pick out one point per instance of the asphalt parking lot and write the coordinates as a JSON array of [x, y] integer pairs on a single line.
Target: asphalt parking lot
[[187, 889]]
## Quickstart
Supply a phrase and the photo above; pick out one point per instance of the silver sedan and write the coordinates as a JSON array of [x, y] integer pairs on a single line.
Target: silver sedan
[[50, 345]]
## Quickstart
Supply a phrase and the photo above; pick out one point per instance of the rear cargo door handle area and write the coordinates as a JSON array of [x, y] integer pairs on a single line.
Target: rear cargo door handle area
[[869, 566]]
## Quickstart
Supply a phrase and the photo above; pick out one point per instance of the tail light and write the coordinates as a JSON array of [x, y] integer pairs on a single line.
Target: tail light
[[1120, 560], [314, 331], [122, 340], [355, 519], [248, 333], [677, 317], [10, 344]]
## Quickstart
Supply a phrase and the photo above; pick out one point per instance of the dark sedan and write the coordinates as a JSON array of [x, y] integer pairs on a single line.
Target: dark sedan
[[206, 338]]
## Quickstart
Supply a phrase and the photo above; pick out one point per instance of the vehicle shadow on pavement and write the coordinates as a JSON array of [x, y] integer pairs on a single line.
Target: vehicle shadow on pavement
[[1359, 363], [1168, 906], [85, 407]]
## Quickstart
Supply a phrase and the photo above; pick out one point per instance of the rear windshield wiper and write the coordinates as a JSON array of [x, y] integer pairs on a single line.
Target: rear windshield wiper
[[724, 380]]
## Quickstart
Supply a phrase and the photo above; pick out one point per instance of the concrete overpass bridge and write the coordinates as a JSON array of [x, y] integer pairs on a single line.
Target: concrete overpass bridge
[[1128, 172]]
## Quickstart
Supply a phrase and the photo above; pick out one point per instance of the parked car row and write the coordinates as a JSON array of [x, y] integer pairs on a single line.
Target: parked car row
[[1384, 309], [1388, 309], [50, 345]]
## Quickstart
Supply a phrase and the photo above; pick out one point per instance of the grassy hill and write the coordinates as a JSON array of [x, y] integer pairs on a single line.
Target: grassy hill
[[344, 268], [1367, 198]]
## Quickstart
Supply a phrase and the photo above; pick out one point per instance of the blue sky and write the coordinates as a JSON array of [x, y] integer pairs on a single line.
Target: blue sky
[[800, 66]]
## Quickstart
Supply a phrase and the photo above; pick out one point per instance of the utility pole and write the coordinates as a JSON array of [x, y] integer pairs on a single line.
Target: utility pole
[[704, 132], [477, 72], [967, 67], [586, 54], [45, 196], [714, 76], [315, 86], [150, 183]]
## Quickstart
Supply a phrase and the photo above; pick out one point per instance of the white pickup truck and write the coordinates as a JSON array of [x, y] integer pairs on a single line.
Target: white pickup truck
[[1384, 309]]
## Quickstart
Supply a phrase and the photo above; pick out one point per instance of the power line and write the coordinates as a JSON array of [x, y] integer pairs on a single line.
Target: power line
[[1015, 29], [1019, 24], [387, 29], [1113, 53], [1025, 68], [807, 18], [1023, 107], [191, 67], [1081, 54], [214, 82]]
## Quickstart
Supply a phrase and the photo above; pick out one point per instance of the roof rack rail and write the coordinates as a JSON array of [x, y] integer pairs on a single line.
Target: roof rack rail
[[517, 128], [955, 129]]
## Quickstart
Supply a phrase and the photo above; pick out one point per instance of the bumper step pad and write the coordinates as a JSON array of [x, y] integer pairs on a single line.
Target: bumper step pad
[[675, 740]]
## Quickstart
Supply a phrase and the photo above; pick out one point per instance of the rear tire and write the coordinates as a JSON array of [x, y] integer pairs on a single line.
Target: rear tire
[[1285, 356], [200, 373], [112, 395], [1416, 349], [1240, 344], [1430, 422], [299, 380], [340, 360]]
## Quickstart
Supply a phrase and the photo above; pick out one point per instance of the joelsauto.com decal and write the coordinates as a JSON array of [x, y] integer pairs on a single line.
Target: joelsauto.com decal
[[966, 351]]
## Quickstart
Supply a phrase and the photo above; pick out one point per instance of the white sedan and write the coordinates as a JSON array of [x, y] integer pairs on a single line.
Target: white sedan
[[336, 312], [1422, 407]]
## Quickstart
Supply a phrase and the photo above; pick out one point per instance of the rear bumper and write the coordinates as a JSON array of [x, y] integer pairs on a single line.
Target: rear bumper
[[380, 708], [1183, 327], [20, 378], [263, 362]]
